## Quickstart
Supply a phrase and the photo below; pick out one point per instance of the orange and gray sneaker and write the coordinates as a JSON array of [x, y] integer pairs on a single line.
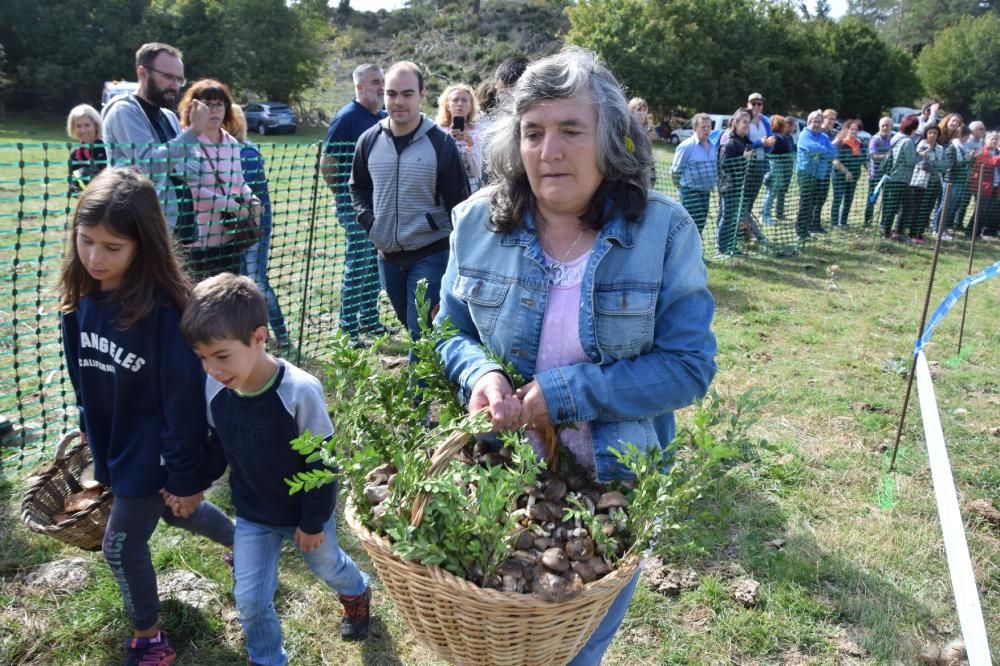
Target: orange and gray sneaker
[[357, 615], [155, 651]]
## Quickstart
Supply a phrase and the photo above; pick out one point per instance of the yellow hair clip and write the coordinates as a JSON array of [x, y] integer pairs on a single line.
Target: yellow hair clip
[[629, 144]]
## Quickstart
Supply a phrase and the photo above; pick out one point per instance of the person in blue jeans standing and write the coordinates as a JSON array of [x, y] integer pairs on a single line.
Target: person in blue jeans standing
[[359, 295], [589, 285], [254, 259], [406, 178], [256, 405]]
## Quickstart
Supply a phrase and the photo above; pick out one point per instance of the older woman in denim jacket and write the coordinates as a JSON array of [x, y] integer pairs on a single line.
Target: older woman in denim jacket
[[590, 285]]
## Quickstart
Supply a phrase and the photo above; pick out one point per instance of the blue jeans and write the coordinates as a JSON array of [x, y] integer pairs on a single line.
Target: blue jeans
[[126, 548], [843, 198], [957, 201], [255, 567], [777, 182], [400, 282], [590, 654], [359, 294], [255, 266]]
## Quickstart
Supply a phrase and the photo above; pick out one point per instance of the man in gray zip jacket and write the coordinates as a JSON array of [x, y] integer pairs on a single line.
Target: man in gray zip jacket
[[406, 177], [141, 130]]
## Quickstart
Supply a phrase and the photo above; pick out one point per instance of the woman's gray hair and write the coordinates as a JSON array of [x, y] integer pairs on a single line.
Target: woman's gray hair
[[814, 114], [624, 153]]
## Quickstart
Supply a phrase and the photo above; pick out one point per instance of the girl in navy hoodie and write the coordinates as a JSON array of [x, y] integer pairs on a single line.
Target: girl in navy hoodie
[[139, 387]]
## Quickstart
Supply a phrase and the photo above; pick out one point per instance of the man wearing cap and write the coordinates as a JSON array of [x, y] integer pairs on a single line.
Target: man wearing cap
[[762, 141]]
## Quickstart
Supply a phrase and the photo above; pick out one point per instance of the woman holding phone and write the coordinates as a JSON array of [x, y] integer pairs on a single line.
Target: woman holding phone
[[457, 114]]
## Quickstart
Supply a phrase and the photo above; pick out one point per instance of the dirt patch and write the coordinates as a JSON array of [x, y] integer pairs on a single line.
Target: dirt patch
[[847, 647]]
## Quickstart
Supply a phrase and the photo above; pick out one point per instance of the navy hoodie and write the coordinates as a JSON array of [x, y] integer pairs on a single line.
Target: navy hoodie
[[255, 432], [141, 397]]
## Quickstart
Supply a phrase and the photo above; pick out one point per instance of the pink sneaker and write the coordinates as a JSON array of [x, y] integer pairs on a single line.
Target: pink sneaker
[[149, 651]]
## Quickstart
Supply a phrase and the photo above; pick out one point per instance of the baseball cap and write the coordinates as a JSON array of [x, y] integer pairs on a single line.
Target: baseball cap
[[755, 97]]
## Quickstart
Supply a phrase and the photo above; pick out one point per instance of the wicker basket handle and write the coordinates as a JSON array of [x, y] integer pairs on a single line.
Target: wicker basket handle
[[454, 443], [64, 444]]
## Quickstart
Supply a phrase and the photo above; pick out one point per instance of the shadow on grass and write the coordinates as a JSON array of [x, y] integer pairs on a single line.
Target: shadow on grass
[[805, 591], [198, 633], [379, 649]]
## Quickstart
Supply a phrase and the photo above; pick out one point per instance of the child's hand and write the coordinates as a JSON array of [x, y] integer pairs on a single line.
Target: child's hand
[[185, 506], [307, 542]]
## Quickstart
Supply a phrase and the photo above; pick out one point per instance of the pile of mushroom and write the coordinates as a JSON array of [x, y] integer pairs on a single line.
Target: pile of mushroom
[[549, 557]]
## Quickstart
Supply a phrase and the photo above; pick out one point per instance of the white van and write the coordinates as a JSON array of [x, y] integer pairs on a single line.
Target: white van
[[719, 122], [114, 88]]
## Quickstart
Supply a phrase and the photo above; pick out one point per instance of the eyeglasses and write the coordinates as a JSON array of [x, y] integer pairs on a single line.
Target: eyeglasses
[[179, 80], [216, 104], [756, 103]]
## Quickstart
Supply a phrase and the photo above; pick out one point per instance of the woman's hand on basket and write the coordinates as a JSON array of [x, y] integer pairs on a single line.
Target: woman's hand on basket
[[534, 411], [494, 391]]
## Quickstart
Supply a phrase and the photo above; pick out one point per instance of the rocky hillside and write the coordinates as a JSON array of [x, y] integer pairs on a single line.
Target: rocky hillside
[[451, 44]]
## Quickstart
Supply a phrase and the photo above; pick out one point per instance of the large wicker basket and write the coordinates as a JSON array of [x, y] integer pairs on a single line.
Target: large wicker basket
[[471, 626], [44, 499]]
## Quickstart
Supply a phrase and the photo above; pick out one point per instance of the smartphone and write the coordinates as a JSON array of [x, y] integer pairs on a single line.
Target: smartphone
[[458, 123]]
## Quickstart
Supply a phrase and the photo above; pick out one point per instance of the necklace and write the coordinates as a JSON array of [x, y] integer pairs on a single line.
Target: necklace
[[557, 269]]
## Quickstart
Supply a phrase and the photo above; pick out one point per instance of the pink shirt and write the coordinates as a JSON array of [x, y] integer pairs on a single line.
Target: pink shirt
[[559, 346], [214, 194]]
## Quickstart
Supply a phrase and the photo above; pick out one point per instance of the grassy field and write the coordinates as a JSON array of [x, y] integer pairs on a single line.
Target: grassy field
[[848, 556]]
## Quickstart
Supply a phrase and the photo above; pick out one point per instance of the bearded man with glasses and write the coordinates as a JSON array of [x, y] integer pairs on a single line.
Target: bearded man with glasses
[[141, 128]]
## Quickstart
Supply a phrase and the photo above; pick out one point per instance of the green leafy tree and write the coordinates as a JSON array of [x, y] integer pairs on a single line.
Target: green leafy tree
[[682, 53], [871, 76], [54, 66], [268, 46], [962, 66], [709, 54], [913, 24]]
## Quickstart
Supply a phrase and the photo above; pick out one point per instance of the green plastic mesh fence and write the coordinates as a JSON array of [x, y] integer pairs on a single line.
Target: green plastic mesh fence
[[319, 272]]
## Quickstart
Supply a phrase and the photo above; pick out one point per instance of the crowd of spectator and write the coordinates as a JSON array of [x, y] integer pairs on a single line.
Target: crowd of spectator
[[930, 175], [921, 178]]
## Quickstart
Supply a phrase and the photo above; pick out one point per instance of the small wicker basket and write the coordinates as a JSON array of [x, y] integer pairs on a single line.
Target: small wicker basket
[[472, 626], [44, 499]]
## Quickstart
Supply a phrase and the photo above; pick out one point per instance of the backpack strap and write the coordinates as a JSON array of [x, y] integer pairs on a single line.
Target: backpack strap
[[437, 138]]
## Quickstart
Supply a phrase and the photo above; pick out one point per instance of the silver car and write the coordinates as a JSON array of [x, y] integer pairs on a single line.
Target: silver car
[[270, 117]]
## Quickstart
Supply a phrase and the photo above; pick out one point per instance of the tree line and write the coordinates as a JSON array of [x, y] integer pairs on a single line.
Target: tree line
[[56, 53], [709, 54]]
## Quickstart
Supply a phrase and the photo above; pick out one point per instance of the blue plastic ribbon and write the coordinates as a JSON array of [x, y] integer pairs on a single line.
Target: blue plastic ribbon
[[986, 274]]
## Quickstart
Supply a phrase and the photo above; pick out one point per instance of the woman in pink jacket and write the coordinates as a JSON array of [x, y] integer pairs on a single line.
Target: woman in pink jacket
[[216, 183]]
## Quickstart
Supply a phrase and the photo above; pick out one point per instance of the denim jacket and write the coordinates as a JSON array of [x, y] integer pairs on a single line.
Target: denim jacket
[[645, 317]]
